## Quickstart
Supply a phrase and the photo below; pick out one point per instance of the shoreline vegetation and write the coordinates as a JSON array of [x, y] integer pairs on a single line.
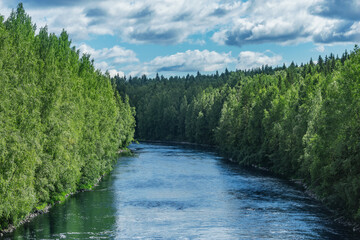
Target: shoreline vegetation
[[340, 219], [299, 182], [45, 208], [298, 121], [62, 122]]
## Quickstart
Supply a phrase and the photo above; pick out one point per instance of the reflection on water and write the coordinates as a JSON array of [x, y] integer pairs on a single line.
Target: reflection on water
[[177, 192]]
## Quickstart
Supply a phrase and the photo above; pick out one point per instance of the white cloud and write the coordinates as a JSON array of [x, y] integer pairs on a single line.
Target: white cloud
[[188, 61], [285, 22], [170, 22], [109, 58], [231, 22], [193, 61], [117, 53], [103, 66], [148, 21], [320, 48], [200, 42], [114, 72], [5, 11], [348, 9], [249, 60]]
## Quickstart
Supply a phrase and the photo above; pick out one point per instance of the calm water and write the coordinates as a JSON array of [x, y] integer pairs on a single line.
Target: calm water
[[177, 192]]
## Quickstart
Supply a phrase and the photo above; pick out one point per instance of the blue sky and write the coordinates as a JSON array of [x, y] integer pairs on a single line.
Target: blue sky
[[185, 36]]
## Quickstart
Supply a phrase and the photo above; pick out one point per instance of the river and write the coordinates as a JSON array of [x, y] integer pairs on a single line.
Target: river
[[180, 192]]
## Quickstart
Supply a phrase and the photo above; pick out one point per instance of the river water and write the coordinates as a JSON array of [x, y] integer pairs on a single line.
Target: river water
[[179, 192]]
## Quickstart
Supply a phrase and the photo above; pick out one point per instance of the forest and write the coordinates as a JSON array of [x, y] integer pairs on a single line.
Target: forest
[[301, 122], [62, 122]]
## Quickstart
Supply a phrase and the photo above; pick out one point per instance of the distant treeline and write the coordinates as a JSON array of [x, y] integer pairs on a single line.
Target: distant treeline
[[61, 121], [299, 121]]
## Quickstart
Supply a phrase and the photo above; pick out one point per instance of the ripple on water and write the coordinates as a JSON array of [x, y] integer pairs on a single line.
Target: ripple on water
[[178, 205], [175, 192]]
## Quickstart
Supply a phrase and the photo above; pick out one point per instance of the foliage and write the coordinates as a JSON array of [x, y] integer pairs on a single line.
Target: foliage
[[61, 121], [299, 121]]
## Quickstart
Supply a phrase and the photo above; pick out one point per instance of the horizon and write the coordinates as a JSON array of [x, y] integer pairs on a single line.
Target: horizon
[[183, 37]]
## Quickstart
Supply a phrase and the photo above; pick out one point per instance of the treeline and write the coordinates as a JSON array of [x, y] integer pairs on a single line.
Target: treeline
[[61, 121], [299, 121], [162, 103]]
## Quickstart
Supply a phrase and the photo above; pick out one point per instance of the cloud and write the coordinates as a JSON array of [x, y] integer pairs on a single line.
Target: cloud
[[114, 72], [117, 53], [244, 32], [268, 21], [144, 13], [109, 58], [171, 22], [249, 60], [156, 22], [320, 48], [47, 3], [191, 61], [292, 22], [182, 17], [188, 61], [104, 67], [5, 9], [343, 32], [155, 35], [219, 12], [96, 12], [200, 42], [341, 9], [232, 22], [203, 61]]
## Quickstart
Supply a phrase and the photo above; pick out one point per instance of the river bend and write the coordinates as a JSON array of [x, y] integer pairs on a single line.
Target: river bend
[[179, 192]]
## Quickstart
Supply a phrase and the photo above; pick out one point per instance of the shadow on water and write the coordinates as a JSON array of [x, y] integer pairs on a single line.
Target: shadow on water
[[186, 192], [82, 216], [178, 205]]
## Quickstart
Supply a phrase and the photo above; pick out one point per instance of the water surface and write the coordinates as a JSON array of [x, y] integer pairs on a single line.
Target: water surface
[[179, 192]]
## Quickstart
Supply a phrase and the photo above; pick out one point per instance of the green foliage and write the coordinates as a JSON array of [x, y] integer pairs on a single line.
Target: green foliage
[[41, 207], [335, 172], [163, 105], [61, 122], [299, 121]]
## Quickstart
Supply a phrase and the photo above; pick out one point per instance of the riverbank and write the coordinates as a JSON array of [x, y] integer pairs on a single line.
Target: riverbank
[[45, 209], [28, 218], [178, 142], [337, 217], [162, 186]]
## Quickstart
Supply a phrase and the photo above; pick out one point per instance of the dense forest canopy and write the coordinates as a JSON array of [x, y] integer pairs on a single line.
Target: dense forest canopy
[[61, 121], [302, 122]]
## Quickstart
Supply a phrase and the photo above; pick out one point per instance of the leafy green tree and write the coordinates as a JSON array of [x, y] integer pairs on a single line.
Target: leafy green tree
[[61, 121], [299, 121]]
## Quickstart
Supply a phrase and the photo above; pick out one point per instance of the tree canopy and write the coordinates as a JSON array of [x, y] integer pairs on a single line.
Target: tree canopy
[[301, 122], [61, 121]]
